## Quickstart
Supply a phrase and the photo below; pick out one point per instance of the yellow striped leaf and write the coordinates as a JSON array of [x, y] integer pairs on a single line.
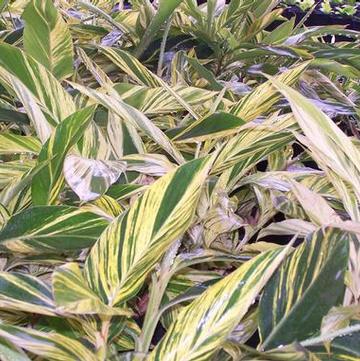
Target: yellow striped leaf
[[219, 124], [13, 143], [24, 293], [155, 101], [260, 100], [304, 289], [39, 81], [132, 244], [73, 295], [47, 37], [43, 126], [210, 319], [50, 346], [48, 182], [327, 141], [131, 66], [250, 146], [133, 116], [49, 229]]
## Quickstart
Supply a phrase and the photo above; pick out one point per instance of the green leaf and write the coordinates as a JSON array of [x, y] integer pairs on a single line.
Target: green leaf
[[219, 124], [49, 229], [205, 73], [210, 318], [304, 289], [280, 33], [132, 244], [47, 183], [164, 12], [47, 37]]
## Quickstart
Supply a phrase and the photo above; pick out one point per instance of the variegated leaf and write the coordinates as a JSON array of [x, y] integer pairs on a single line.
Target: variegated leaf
[[47, 37], [210, 319], [49, 229], [132, 244]]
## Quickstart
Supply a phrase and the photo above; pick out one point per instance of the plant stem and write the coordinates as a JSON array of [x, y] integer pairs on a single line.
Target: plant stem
[[163, 46]]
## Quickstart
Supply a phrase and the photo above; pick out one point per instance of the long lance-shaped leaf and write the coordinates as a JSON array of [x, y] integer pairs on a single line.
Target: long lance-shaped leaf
[[219, 124], [25, 293], [166, 8], [47, 184], [336, 149], [251, 145], [50, 346], [209, 320], [43, 126], [131, 66], [131, 245], [40, 82], [155, 101], [73, 295], [49, 229], [13, 143], [134, 117], [304, 289], [249, 107], [47, 37]]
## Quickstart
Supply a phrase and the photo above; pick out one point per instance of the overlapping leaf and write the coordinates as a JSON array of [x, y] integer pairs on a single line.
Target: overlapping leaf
[[132, 244]]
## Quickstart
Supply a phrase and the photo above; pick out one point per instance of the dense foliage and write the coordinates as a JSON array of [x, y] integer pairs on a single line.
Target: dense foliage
[[177, 182]]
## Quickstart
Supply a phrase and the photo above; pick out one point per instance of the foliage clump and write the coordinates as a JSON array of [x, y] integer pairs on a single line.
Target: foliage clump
[[177, 182]]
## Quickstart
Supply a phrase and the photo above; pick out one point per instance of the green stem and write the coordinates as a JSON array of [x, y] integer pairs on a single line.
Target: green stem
[[163, 46]]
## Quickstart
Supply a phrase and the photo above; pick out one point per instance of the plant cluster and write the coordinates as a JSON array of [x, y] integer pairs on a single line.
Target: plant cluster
[[339, 7], [178, 182]]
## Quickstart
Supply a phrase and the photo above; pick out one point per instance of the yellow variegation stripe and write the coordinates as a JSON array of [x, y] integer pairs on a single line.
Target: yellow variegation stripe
[[73, 295], [49, 229], [260, 101], [12, 143], [20, 292], [208, 320], [131, 66], [50, 346], [129, 248], [47, 37], [312, 275], [39, 81]]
